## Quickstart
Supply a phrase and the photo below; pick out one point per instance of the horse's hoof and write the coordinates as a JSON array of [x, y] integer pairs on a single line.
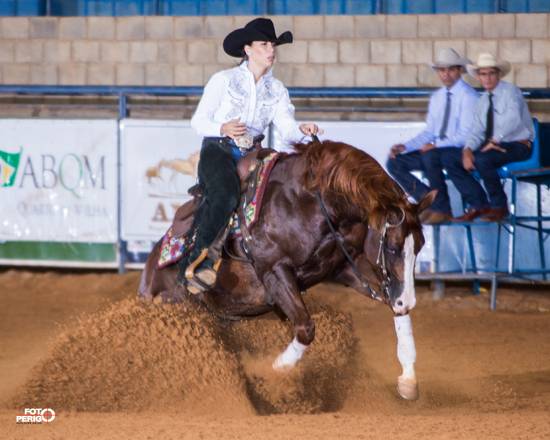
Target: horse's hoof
[[407, 388], [145, 297]]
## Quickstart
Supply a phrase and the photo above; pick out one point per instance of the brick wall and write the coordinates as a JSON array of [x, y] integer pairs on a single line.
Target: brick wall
[[378, 50]]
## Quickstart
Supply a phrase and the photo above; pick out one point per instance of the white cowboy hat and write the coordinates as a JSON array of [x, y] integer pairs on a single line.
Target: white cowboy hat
[[449, 57], [485, 60]]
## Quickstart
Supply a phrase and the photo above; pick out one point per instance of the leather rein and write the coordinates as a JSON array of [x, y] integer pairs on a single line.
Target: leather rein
[[380, 259]]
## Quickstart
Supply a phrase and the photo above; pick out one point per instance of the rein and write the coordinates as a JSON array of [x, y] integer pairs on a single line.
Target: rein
[[340, 241], [380, 260]]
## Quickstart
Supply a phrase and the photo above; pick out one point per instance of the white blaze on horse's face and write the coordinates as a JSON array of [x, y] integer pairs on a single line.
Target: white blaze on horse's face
[[407, 300]]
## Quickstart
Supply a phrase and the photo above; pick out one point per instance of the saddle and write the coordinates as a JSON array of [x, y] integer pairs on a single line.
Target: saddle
[[253, 170], [247, 168]]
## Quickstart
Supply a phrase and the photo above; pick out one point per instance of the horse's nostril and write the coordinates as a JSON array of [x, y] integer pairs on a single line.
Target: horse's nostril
[[399, 303]]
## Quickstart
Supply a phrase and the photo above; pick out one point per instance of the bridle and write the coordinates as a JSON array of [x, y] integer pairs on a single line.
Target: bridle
[[380, 259]]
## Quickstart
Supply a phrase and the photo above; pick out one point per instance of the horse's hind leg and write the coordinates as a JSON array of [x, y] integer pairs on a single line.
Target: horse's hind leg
[[159, 284], [281, 284]]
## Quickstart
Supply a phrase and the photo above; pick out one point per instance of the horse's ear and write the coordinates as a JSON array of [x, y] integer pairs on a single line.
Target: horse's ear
[[426, 201]]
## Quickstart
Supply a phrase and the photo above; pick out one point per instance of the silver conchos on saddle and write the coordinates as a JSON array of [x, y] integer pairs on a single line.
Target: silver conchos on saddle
[[244, 142]]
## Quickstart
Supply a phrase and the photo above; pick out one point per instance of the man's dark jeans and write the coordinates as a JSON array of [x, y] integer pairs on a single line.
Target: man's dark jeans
[[432, 164], [489, 162]]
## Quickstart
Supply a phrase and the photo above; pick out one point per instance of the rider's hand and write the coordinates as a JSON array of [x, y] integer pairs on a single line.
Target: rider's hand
[[427, 147], [310, 129], [233, 129], [396, 150], [468, 161]]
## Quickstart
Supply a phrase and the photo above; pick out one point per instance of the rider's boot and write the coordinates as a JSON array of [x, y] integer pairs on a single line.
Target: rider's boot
[[202, 267], [198, 272]]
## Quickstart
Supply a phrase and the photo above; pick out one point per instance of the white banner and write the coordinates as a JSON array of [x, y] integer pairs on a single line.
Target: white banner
[[58, 180], [160, 159], [160, 163], [375, 138]]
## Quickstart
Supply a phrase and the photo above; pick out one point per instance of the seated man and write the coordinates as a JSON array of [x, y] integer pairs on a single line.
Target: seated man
[[502, 132], [439, 146]]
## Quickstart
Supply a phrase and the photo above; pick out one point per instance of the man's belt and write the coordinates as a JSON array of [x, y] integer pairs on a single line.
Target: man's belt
[[525, 142]]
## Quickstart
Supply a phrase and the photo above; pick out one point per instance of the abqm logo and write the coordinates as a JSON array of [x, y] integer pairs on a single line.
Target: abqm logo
[[71, 172]]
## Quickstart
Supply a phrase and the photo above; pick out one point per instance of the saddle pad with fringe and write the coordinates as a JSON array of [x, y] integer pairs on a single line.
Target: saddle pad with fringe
[[173, 248]]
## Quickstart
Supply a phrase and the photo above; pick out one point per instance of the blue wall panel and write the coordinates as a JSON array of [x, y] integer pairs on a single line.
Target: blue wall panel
[[539, 6], [263, 7], [419, 7], [356, 7], [98, 7], [22, 7], [480, 6], [244, 7], [184, 7]]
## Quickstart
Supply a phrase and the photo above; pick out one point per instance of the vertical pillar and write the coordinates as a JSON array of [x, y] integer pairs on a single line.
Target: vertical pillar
[[121, 245]]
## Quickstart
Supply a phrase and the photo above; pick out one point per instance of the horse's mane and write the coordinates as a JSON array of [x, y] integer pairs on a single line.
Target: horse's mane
[[336, 167]]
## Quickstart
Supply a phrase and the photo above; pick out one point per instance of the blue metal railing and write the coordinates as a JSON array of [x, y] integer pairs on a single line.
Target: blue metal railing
[[298, 92], [264, 7]]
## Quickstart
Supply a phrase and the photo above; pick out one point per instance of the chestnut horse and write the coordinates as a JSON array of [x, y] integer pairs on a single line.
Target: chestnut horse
[[330, 213]]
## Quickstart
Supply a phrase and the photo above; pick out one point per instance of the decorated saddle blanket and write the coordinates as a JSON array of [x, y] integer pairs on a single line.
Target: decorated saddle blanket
[[177, 243]]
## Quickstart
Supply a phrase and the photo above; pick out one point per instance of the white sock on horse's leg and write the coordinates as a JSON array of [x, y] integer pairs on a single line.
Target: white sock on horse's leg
[[406, 351], [290, 356]]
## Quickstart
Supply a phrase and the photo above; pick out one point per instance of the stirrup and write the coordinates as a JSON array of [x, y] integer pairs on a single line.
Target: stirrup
[[194, 286], [190, 271], [203, 279]]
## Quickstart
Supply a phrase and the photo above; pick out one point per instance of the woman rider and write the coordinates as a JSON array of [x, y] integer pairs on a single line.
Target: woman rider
[[237, 105]]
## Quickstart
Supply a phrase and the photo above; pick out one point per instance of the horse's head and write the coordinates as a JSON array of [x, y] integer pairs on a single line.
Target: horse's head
[[389, 252], [374, 216]]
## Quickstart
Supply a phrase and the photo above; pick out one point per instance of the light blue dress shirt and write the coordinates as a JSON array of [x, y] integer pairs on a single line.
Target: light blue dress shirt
[[511, 119], [463, 103]]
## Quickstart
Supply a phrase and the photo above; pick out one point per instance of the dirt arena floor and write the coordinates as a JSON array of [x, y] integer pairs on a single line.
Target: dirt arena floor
[[114, 368]]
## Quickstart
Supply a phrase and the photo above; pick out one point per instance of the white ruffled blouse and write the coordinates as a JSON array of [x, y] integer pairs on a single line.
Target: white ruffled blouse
[[234, 94]]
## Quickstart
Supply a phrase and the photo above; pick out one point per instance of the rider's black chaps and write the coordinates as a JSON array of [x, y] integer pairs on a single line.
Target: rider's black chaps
[[220, 184]]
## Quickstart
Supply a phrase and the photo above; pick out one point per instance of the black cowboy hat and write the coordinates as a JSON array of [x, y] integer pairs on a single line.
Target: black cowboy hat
[[259, 29]]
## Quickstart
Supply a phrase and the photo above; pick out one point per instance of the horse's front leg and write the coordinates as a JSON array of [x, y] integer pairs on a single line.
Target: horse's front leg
[[283, 288], [407, 386]]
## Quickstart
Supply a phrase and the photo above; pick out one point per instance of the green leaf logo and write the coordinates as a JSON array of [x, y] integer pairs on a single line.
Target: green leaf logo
[[9, 163]]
